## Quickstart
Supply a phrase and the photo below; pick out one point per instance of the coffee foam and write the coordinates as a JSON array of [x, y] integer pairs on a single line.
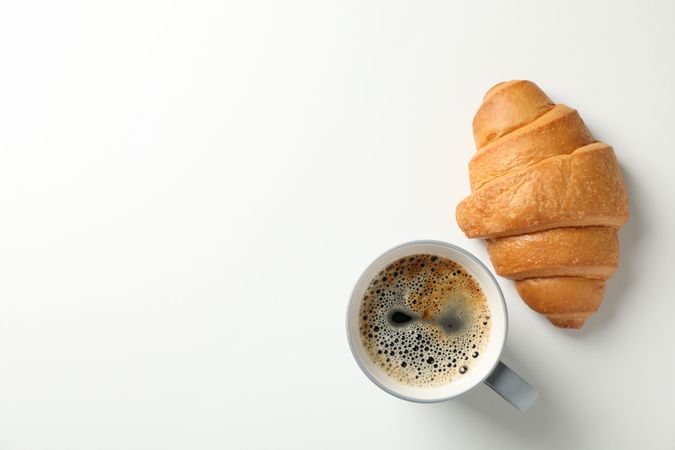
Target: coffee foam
[[449, 324]]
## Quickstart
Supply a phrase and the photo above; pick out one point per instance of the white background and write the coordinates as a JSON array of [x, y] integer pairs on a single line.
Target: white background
[[189, 190]]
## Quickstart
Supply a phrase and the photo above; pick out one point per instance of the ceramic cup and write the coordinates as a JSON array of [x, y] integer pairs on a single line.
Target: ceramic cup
[[489, 369]]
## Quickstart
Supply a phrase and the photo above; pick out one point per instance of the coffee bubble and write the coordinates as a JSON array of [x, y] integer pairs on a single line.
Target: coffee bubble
[[420, 316]]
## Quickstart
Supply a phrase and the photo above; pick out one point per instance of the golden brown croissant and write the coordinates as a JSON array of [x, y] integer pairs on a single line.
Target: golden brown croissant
[[548, 199]]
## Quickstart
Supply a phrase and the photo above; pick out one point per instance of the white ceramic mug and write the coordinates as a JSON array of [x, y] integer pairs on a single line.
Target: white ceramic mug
[[489, 369]]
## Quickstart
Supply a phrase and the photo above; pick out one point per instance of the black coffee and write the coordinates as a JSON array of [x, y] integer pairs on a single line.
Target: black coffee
[[424, 320]]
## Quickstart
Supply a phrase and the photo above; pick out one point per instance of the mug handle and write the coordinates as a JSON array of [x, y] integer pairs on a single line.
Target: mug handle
[[511, 386]]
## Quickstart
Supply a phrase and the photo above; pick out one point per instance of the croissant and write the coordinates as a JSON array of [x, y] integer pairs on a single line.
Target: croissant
[[547, 198]]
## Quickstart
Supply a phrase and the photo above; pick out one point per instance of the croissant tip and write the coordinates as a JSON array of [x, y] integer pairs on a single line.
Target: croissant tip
[[567, 323]]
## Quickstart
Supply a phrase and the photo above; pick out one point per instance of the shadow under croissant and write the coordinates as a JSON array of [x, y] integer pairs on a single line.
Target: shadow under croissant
[[630, 235]]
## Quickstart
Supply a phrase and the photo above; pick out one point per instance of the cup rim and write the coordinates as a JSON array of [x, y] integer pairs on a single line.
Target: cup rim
[[502, 338]]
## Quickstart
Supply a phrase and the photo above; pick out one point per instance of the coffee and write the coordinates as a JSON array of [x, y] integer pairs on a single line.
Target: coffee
[[424, 320]]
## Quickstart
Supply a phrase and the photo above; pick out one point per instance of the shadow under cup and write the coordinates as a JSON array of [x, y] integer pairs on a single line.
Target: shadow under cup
[[490, 355]]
